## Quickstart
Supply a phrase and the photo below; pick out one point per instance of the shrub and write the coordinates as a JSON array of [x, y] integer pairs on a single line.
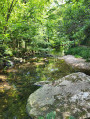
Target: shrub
[[82, 51], [50, 115]]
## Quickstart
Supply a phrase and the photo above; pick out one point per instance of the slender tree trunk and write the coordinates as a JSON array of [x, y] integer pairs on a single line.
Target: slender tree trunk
[[9, 12], [26, 45], [74, 43], [20, 44], [10, 9]]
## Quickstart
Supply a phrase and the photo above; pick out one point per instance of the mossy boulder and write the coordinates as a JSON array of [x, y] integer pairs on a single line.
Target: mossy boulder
[[68, 96]]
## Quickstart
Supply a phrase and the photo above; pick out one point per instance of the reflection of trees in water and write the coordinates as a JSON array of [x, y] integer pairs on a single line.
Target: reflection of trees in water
[[14, 101]]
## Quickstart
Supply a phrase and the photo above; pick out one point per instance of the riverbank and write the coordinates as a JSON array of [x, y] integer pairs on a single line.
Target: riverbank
[[77, 63], [80, 51]]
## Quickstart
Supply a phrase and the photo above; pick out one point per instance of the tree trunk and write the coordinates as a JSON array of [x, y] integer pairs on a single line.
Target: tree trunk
[[26, 45]]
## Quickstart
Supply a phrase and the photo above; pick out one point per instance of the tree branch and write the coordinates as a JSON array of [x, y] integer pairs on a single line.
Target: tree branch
[[10, 9]]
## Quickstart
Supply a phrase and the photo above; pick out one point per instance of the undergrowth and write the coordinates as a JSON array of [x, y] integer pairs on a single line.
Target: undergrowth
[[82, 51], [52, 115]]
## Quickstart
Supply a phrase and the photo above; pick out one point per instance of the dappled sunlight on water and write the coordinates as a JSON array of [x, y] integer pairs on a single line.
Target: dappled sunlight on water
[[21, 79]]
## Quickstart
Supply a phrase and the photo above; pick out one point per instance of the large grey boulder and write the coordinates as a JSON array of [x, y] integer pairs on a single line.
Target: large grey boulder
[[67, 96], [77, 63]]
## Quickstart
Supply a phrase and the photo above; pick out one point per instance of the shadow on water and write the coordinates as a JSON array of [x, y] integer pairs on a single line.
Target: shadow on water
[[22, 77]]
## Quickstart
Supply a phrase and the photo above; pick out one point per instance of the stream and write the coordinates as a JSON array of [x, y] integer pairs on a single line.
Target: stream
[[21, 79]]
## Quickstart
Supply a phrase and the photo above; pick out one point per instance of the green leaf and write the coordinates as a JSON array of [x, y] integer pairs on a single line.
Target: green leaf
[[40, 117], [71, 117], [51, 115]]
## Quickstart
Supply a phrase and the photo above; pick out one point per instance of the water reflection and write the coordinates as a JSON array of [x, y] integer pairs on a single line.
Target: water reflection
[[22, 77]]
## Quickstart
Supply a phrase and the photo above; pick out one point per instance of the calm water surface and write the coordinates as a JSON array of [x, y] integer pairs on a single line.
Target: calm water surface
[[21, 79]]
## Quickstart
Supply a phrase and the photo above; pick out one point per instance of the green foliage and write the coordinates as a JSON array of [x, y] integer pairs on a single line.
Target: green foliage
[[71, 117], [76, 20], [8, 52], [43, 25], [83, 52], [40, 117], [5, 50], [50, 115]]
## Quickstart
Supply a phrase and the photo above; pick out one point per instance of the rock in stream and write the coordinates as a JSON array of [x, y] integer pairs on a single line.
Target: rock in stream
[[68, 96]]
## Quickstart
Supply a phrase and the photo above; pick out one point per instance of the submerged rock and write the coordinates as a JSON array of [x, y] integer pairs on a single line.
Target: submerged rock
[[9, 64], [68, 96], [18, 60]]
